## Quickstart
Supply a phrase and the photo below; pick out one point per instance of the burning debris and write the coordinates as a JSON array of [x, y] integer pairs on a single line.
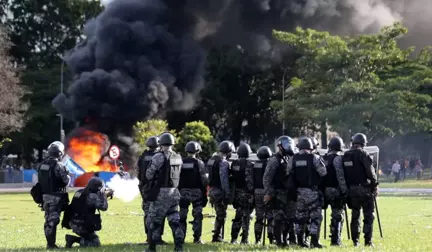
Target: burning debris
[[89, 150]]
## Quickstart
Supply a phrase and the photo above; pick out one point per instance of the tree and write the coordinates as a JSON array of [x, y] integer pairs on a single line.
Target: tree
[[12, 104], [356, 83], [42, 31], [147, 129], [197, 131]]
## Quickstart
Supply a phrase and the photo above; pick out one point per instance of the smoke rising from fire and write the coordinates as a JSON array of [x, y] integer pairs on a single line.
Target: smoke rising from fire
[[141, 58], [132, 66]]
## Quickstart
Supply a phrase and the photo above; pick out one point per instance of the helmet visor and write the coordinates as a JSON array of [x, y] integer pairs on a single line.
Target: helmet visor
[[286, 144]]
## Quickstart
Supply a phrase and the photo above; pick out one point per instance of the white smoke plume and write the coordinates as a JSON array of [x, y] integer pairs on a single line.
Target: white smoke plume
[[125, 190]]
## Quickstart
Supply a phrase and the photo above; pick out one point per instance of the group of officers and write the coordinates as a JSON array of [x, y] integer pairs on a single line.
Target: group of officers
[[80, 215], [287, 189]]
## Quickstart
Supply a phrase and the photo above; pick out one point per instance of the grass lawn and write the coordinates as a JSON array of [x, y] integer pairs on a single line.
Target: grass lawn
[[410, 182], [407, 226]]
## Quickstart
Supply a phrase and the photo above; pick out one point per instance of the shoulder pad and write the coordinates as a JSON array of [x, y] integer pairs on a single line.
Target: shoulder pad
[[211, 162], [44, 167], [258, 165]]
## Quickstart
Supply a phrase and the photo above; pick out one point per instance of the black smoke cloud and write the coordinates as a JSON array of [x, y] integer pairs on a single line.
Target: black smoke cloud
[[133, 65], [142, 58], [249, 22]]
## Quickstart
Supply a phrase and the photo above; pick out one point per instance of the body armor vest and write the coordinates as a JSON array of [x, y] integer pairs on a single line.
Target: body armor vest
[[190, 176], [305, 173], [330, 180], [144, 163], [47, 178], [238, 171], [79, 208], [213, 169], [258, 174], [280, 175], [354, 169], [170, 174]]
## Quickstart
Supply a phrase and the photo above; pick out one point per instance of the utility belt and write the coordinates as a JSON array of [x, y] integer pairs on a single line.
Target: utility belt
[[313, 188], [365, 185]]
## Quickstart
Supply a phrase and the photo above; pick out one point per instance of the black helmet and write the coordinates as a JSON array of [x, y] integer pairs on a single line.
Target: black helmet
[[336, 143], [315, 143], [192, 147], [95, 184], [286, 144], [244, 150], [226, 147], [264, 152], [166, 139], [359, 138], [305, 143], [55, 152], [152, 142]]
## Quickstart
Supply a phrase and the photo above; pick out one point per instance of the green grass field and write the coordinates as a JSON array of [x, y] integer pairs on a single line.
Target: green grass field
[[407, 226], [409, 182]]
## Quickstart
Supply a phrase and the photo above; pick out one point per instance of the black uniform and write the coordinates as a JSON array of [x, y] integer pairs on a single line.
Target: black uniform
[[53, 179], [362, 184]]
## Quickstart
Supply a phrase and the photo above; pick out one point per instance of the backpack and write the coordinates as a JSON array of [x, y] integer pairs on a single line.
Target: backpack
[[36, 193]]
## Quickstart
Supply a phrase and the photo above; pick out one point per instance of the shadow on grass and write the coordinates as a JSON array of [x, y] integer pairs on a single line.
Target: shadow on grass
[[170, 247]]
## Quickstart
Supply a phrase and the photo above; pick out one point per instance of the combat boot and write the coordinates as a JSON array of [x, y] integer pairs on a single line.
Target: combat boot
[[270, 236], [217, 238], [292, 238], [50, 247], [315, 242], [285, 239], [178, 248], [258, 238], [197, 240], [244, 240], [368, 242], [51, 240], [301, 241], [151, 248], [71, 239]]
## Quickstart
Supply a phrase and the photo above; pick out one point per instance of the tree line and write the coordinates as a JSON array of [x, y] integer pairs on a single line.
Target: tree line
[[363, 83]]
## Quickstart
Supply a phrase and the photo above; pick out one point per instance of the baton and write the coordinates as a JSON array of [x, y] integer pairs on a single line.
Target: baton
[[325, 223], [265, 224], [347, 222], [378, 216]]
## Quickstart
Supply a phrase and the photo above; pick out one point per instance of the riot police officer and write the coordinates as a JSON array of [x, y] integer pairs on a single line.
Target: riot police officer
[[261, 210], [218, 169], [144, 160], [335, 188], [82, 213], [362, 183], [241, 170], [163, 176], [192, 186], [53, 178], [277, 189], [306, 169]]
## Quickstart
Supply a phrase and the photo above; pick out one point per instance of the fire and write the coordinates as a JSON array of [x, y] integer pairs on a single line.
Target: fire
[[87, 150]]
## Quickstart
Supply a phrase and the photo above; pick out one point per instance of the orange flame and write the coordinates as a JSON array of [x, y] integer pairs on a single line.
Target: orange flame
[[87, 150]]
